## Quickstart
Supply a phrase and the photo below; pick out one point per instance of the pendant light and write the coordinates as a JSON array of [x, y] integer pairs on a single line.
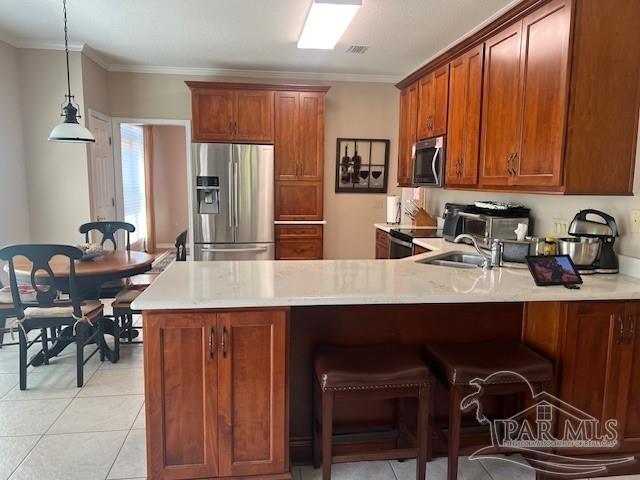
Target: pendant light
[[69, 130]]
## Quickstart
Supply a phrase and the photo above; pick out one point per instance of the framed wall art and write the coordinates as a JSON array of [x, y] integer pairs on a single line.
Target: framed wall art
[[362, 165]]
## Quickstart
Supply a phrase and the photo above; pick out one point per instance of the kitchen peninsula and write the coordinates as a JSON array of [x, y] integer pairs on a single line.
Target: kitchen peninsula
[[228, 348]]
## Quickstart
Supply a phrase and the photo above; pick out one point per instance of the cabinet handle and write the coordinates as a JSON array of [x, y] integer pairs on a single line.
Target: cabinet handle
[[223, 343], [632, 330], [620, 338], [212, 341], [514, 164], [230, 127]]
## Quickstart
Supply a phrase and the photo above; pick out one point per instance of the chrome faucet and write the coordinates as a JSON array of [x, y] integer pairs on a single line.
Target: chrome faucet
[[489, 261]]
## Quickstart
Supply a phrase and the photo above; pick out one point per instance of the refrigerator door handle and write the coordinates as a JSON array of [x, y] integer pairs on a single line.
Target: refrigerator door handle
[[231, 180], [234, 250], [236, 187]]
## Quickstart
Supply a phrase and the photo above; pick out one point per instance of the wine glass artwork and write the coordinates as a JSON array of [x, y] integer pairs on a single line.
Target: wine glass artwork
[[366, 170]]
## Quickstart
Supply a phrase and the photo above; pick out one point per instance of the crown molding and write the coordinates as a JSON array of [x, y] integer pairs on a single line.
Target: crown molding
[[262, 74], [202, 71]]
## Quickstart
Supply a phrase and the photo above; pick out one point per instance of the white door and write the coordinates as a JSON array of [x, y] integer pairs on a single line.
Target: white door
[[101, 169]]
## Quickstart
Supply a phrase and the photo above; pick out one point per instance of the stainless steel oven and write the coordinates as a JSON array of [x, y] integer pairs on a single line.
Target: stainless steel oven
[[428, 162], [399, 248]]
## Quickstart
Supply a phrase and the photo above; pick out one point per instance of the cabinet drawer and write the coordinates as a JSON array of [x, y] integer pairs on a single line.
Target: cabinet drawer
[[382, 237], [298, 231], [299, 249]]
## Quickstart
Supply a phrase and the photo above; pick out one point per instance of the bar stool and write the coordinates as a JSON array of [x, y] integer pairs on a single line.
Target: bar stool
[[362, 373], [456, 364]]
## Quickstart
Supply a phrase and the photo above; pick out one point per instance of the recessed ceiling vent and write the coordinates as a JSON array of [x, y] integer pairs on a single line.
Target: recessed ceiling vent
[[357, 49]]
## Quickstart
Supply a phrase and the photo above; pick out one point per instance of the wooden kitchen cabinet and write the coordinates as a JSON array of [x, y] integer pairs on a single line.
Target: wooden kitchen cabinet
[[382, 245], [299, 201], [558, 78], [299, 242], [408, 133], [231, 113], [433, 92], [231, 371], [463, 129], [596, 350], [299, 149]]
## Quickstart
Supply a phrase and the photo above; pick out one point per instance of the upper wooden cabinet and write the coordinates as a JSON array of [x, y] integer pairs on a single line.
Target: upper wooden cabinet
[[299, 148], [560, 99], [463, 129], [232, 368], [222, 113], [525, 100], [433, 92], [408, 133]]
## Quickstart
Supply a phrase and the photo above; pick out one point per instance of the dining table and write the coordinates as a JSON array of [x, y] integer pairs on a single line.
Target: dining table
[[91, 274]]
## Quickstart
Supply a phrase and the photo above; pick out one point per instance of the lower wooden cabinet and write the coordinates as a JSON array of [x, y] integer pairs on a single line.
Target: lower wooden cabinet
[[597, 354], [382, 245], [216, 394], [299, 242]]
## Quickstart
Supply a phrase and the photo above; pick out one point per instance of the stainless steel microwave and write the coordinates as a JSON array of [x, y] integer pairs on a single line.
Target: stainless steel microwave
[[428, 162]]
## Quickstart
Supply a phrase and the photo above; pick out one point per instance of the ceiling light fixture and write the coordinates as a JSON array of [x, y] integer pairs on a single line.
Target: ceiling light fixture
[[326, 21], [69, 130]]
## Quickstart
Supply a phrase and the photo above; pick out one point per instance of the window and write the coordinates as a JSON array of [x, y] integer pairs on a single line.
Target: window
[[545, 413], [133, 179]]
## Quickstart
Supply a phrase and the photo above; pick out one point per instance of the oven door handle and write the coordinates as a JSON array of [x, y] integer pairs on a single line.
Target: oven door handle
[[433, 166], [401, 242]]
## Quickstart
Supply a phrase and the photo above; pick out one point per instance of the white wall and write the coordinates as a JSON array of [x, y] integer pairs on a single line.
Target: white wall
[[170, 196], [546, 208], [56, 172], [14, 198]]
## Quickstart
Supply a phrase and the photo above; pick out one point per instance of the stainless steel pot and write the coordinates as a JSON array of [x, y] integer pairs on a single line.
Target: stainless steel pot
[[582, 250]]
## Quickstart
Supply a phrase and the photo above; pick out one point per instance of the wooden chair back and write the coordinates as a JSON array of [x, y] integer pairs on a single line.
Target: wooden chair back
[[108, 231]]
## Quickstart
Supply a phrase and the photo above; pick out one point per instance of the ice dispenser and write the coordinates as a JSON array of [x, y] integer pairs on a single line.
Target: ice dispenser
[[208, 195]]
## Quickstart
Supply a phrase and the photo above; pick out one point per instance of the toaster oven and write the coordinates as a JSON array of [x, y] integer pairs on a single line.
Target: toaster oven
[[485, 228]]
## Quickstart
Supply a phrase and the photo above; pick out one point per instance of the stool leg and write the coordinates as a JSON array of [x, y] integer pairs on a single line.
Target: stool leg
[[327, 433], [453, 444], [316, 419], [423, 432]]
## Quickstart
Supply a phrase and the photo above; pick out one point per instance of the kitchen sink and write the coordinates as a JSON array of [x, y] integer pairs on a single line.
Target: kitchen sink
[[455, 259]]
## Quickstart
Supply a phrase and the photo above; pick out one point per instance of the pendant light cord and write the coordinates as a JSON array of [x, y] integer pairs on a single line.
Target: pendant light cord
[[66, 47]]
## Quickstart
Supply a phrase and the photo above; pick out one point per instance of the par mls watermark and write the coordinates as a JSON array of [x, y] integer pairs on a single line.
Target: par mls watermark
[[546, 428]]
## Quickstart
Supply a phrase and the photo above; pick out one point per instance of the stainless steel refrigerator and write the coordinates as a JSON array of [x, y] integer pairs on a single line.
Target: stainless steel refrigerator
[[233, 202]]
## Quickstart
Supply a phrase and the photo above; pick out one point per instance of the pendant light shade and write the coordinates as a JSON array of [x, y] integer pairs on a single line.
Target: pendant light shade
[[70, 129]]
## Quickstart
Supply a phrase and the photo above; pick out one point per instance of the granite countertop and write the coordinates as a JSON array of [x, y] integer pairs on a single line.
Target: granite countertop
[[198, 285]]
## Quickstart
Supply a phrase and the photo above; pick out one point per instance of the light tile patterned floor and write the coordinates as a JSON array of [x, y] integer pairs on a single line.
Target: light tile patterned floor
[[56, 431]]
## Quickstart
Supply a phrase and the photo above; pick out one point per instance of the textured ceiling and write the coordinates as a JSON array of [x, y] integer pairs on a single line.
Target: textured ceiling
[[246, 34]]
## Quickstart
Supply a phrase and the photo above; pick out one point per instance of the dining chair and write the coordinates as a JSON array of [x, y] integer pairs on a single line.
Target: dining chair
[[122, 304], [51, 309], [108, 231], [6, 312]]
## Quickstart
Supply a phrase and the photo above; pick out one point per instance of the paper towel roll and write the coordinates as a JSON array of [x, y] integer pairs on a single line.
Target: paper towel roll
[[393, 209]]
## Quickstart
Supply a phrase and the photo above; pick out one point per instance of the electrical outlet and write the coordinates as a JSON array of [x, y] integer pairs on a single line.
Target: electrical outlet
[[560, 225], [635, 221]]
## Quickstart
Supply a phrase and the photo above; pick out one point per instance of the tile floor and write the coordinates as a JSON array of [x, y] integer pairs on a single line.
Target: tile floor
[[56, 431]]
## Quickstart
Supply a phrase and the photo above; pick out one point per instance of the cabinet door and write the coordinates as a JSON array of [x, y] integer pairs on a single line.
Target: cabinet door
[[382, 245], [311, 136], [253, 116], [426, 98], [545, 54], [299, 249], [440, 101], [298, 200], [407, 134], [501, 107], [286, 146], [253, 396], [591, 361], [628, 395], [212, 115], [180, 368], [463, 129]]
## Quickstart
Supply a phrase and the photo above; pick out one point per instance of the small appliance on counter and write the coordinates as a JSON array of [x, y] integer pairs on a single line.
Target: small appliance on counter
[[401, 240], [393, 209], [487, 221], [591, 243]]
